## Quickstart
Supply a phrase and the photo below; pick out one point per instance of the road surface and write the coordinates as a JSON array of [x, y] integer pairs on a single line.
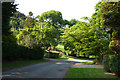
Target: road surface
[[52, 69]]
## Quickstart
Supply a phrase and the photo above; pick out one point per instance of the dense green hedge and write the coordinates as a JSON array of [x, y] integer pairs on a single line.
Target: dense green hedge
[[12, 51], [112, 64]]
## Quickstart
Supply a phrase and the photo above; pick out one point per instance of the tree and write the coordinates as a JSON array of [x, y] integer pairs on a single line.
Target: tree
[[87, 38], [30, 13], [29, 21], [18, 14], [8, 8], [51, 22], [73, 22], [52, 34], [110, 20], [52, 17]]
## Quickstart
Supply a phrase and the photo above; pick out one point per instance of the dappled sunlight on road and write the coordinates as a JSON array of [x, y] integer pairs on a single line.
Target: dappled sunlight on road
[[62, 63], [13, 74], [51, 69]]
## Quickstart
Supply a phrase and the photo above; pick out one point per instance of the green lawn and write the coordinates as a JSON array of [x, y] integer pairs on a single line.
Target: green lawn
[[15, 64], [89, 62], [88, 73], [64, 57]]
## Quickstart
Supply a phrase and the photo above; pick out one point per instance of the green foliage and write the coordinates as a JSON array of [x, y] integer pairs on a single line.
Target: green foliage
[[86, 38], [115, 35], [110, 20], [49, 29], [51, 35], [18, 14], [12, 51], [89, 62], [29, 21], [8, 9], [9, 38], [52, 17], [32, 37], [29, 37], [60, 48], [73, 22], [50, 23], [112, 64], [107, 64], [110, 14], [114, 47], [16, 23], [30, 13]]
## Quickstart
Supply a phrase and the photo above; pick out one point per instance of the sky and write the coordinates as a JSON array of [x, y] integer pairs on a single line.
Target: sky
[[70, 9]]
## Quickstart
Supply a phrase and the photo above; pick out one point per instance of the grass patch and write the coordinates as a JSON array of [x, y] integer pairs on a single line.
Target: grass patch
[[89, 62], [15, 64], [88, 73], [64, 57]]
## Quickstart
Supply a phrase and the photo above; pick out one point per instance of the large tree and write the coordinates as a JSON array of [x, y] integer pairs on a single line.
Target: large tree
[[86, 38], [53, 17], [111, 22], [8, 8]]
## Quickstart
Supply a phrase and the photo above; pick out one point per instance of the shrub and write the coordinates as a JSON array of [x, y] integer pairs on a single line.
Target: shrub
[[107, 64], [116, 64], [12, 51], [112, 64], [9, 51]]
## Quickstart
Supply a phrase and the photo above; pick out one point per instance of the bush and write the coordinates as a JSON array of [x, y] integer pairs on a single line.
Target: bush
[[112, 64], [116, 64], [108, 63], [12, 51], [9, 51]]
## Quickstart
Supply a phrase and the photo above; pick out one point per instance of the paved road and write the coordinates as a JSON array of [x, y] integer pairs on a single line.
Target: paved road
[[52, 69]]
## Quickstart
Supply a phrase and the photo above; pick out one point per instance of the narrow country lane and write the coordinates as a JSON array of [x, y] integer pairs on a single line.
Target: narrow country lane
[[52, 69]]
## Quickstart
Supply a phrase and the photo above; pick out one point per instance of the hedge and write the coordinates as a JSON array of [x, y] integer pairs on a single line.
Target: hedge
[[112, 64], [12, 51]]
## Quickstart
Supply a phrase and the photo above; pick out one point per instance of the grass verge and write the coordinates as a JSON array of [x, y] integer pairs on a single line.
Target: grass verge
[[63, 57], [88, 73], [89, 62], [15, 64]]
